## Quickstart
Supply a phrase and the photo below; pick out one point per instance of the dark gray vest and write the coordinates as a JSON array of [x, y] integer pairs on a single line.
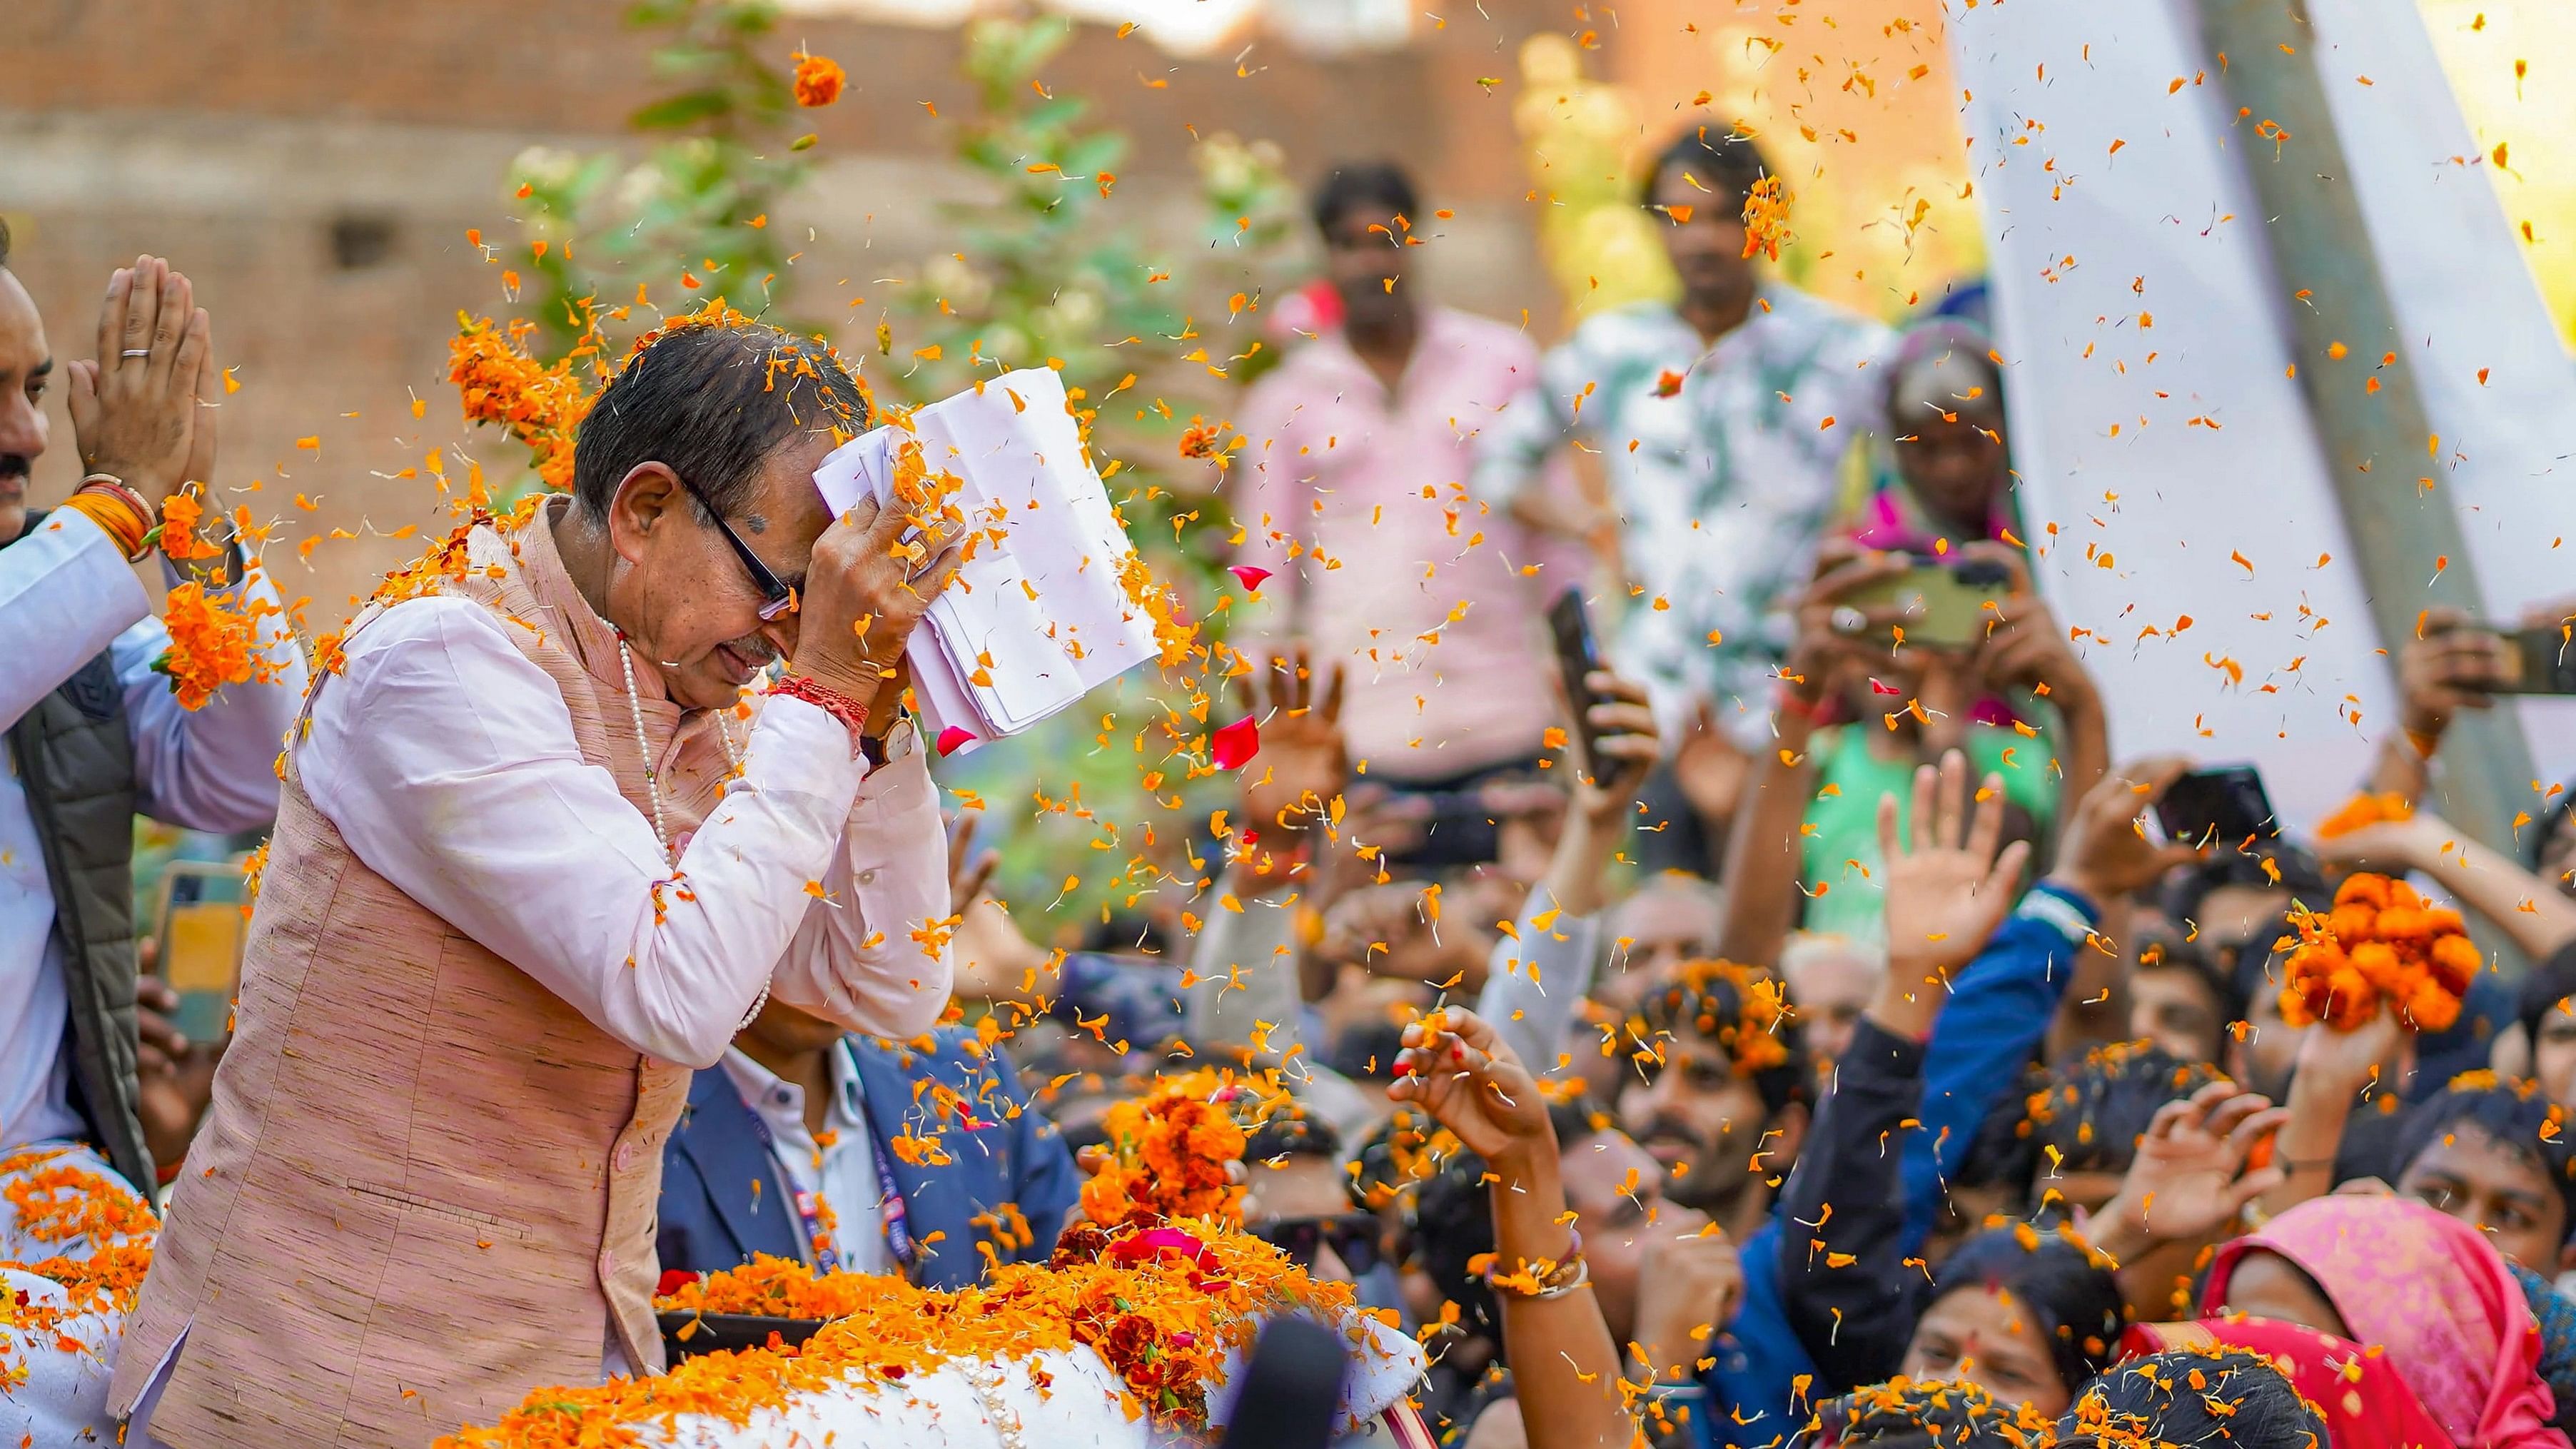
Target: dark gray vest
[[75, 760]]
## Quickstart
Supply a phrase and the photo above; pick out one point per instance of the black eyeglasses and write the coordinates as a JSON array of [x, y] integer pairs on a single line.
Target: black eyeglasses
[[1352, 1236], [776, 596]]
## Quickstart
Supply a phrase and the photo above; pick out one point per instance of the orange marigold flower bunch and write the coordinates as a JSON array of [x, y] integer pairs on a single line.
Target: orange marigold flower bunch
[[818, 80], [210, 645], [2363, 809], [768, 1287], [2381, 942], [1766, 217], [104, 1230], [540, 405], [181, 512], [1163, 1307], [1169, 1152]]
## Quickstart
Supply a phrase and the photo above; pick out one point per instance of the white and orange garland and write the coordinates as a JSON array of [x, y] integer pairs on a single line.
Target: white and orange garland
[[76, 1245]]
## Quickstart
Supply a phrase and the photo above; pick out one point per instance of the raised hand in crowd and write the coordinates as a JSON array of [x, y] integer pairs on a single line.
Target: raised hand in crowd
[[1565, 1366], [1712, 771], [1605, 792], [143, 412], [2186, 1187], [2337, 1072], [994, 959], [1289, 789], [2453, 664], [1688, 1286], [2104, 855], [2026, 648], [1947, 889], [2518, 902]]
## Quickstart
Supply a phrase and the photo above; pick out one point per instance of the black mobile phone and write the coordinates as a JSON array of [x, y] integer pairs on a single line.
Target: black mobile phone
[[1577, 655], [1462, 830], [2223, 805], [2536, 661]]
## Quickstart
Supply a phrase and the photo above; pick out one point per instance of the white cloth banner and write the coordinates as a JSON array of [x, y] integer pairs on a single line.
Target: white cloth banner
[[2154, 420]]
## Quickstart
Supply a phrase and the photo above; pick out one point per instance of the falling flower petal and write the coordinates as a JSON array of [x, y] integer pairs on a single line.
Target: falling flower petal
[[1237, 743], [952, 737], [1248, 575]]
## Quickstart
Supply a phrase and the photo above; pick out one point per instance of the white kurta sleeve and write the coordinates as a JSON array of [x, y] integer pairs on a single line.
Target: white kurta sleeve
[[448, 762], [65, 594], [213, 768]]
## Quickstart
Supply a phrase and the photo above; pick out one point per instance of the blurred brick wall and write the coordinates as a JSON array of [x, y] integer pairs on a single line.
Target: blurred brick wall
[[314, 164]]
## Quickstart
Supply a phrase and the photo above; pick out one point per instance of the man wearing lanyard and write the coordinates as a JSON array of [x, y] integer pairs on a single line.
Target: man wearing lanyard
[[866, 1156]]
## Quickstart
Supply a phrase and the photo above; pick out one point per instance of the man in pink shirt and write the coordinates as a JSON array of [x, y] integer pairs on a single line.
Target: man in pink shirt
[[1353, 491]]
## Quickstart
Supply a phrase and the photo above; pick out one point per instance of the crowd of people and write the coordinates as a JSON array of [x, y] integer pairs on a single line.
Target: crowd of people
[[1783, 1026]]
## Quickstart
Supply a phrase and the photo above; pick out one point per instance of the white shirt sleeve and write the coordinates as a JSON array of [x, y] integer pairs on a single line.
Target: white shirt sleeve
[[1534, 984], [1247, 988], [213, 768], [65, 594], [448, 762]]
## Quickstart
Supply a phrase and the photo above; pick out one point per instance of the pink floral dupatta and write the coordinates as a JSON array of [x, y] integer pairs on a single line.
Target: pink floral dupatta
[[2435, 1295]]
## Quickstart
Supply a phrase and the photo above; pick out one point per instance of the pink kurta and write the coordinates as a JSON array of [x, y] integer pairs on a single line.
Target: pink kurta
[[1358, 502]]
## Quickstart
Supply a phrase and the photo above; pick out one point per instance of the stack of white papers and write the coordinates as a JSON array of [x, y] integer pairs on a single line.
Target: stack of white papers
[[1039, 619]]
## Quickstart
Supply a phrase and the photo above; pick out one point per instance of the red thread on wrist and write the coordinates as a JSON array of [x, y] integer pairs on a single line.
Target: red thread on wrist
[[848, 711], [1787, 702]]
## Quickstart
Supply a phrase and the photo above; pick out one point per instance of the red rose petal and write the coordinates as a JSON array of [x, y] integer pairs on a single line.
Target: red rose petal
[[1877, 688], [1236, 744], [951, 737], [1249, 576]]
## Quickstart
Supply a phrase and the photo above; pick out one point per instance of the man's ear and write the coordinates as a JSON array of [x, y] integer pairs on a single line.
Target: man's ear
[[1790, 1123], [649, 497]]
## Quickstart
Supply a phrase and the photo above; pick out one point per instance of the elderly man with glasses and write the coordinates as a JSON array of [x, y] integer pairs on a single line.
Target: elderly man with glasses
[[540, 853]]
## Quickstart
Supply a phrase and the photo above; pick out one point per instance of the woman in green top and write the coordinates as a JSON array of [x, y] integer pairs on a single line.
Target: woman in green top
[[1873, 688]]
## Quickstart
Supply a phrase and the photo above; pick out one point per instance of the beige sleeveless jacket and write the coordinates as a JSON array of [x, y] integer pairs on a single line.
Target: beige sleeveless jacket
[[427, 1184]]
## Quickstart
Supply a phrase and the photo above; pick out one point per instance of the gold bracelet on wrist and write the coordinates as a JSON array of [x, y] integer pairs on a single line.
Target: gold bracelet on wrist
[[1539, 1279]]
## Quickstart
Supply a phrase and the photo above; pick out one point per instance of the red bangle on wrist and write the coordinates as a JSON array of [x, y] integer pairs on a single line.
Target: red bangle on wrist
[[848, 711]]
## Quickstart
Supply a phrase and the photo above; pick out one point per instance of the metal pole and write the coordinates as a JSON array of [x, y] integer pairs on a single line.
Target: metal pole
[[2377, 439]]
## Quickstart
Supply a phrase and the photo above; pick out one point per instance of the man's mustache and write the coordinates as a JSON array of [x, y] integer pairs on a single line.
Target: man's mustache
[[1672, 1129], [16, 465]]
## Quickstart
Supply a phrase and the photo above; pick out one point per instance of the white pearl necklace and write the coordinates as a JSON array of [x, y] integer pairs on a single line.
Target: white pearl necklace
[[644, 748], [653, 782]]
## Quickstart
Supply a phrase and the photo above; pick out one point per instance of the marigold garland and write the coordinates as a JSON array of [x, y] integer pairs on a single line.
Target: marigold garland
[[211, 644], [2381, 942], [2366, 809], [181, 513], [1162, 1306], [105, 1231], [498, 382], [1168, 1153]]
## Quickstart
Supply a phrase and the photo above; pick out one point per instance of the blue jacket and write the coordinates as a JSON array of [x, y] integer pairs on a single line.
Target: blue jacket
[[723, 1199], [1993, 1024]]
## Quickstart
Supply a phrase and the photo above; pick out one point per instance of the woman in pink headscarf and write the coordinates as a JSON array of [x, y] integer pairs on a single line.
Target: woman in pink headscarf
[[2398, 1322]]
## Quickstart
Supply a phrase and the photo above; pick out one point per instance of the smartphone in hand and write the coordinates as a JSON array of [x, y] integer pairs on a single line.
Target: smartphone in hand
[[1947, 603], [1578, 653], [2535, 661], [2224, 805]]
